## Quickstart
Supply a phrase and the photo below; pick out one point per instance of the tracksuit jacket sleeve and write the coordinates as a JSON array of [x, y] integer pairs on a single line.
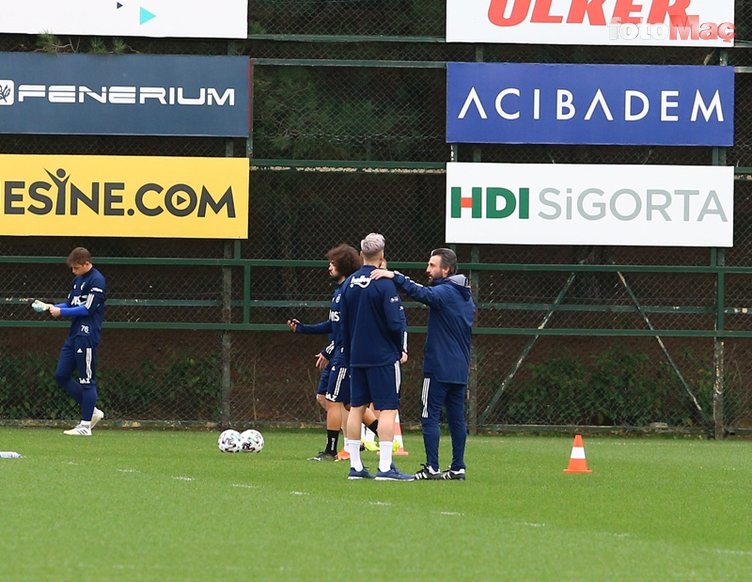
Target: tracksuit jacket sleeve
[[78, 311], [315, 328], [404, 328], [396, 320], [430, 296]]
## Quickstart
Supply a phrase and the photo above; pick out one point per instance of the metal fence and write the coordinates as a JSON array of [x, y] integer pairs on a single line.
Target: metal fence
[[348, 138]]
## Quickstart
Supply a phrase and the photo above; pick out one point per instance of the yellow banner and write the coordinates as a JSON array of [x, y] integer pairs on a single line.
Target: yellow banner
[[129, 196]]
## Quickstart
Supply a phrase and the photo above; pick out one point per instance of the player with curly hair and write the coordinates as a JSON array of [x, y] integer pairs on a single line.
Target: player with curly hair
[[334, 384]]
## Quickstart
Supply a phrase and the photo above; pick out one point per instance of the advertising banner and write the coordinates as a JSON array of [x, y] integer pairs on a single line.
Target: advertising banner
[[590, 104], [124, 94], [708, 23], [124, 196], [615, 205], [150, 18]]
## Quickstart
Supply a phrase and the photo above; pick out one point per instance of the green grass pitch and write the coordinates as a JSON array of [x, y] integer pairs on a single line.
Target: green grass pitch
[[149, 505]]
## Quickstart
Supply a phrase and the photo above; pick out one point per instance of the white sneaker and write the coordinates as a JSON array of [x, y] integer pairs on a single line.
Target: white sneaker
[[96, 417], [79, 430]]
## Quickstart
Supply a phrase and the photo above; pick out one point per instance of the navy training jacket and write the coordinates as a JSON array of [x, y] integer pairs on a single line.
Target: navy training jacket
[[450, 320], [332, 326], [374, 324], [85, 304]]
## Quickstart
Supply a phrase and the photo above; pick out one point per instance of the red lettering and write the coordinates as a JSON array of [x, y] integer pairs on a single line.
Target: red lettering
[[708, 31], [663, 8], [684, 28], [542, 13], [593, 9], [623, 10], [689, 28], [519, 12], [726, 31]]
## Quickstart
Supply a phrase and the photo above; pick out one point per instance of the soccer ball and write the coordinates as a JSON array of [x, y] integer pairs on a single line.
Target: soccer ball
[[230, 442], [252, 441]]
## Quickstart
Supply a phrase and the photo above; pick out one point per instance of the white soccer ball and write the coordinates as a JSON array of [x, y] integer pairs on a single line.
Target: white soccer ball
[[252, 441], [230, 442]]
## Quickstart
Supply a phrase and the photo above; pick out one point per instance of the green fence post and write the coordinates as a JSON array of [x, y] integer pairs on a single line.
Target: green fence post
[[719, 256], [226, 381], [472, 380], [719, 261]]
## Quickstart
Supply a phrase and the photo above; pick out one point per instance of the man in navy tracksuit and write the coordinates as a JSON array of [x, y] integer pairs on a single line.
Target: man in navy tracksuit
[[85, 307], [375, 343], [446, 357]]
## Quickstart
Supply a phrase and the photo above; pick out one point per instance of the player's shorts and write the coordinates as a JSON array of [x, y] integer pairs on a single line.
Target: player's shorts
[[339, 384], [324, 379], [377, 384]]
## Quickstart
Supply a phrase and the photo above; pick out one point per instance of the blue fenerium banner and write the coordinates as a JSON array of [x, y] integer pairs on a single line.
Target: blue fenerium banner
[[590, 104], [124, 94]]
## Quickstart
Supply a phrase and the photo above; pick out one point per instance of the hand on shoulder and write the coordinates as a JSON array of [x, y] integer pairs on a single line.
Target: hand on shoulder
[[382, 274]]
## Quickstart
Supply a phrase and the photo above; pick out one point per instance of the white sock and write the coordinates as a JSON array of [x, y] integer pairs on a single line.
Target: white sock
[[385, 455], [86, 423], [353, 447]]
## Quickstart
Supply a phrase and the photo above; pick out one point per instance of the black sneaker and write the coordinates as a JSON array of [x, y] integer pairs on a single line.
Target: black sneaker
[[428, 473], [453, 475], [324, 456]]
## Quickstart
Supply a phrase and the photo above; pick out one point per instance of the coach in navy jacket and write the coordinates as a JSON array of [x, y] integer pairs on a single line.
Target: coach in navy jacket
[[446, 360]]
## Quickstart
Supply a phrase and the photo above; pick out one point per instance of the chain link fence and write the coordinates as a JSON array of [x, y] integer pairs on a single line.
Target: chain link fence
[[348, 138]]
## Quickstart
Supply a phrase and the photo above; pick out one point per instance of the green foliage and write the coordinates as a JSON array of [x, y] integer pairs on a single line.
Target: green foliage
[[303, 114], [127, 393], [349, 17], [118, 46], [50, 43], [187, 387], [98, 46], [553, 390], [618, 387], [191, 387], [28, 388]]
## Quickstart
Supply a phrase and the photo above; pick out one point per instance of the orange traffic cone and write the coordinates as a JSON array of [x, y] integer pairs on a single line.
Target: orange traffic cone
[[399, 445], [577, 461]]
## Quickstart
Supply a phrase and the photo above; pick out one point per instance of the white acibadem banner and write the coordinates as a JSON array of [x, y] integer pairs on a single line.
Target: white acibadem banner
[[572, 204], [708, 23], [150, 18]]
